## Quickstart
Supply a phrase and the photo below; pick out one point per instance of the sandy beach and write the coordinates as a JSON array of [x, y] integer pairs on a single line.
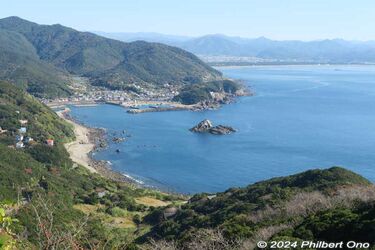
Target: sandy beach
[[85, 142], [80, 148]]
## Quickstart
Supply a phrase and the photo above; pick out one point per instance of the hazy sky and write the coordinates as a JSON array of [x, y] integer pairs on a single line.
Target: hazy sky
[[277, 19]]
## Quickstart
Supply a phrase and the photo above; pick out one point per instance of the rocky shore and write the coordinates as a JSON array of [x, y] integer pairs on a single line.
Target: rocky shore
[[89, 141]]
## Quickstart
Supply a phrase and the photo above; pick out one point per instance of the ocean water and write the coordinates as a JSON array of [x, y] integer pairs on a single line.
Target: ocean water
[[301, 117]]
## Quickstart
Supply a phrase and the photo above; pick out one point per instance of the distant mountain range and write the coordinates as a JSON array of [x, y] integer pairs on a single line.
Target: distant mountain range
[[42, 59], [262, 50]]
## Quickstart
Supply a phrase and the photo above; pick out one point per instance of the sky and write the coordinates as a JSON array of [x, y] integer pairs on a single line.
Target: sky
[[275, 19]]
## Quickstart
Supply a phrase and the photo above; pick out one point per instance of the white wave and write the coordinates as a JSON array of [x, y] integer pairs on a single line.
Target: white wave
[[133, 179]]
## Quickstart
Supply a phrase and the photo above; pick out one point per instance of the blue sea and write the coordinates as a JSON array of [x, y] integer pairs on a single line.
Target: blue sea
[[301, 117]]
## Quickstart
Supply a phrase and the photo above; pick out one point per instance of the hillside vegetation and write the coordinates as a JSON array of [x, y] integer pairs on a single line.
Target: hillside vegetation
[[195, 93], [20, 64], [313, 205], [16, 105], [58, 204], [45, 50]]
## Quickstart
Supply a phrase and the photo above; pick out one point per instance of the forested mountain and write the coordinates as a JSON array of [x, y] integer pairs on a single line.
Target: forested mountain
[[33, 52], [319, 51], [20, 63]]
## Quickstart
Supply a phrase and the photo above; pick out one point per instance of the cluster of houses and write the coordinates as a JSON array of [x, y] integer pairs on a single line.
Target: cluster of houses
[[22, 140], [167, 92]]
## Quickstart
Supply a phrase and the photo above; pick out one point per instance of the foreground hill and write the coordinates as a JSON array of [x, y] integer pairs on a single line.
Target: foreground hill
[[104, 61], [313, 205]]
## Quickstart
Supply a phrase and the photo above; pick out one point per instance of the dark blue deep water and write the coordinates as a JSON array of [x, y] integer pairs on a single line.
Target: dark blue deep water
[[301, 117]]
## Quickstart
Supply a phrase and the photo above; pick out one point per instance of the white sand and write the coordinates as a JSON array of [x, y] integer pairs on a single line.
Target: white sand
[[80, 148]]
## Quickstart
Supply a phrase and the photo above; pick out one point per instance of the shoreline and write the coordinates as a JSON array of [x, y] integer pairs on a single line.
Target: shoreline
[[89, 140], [234, 66], [95, 138], [133, 106], [80, 148]]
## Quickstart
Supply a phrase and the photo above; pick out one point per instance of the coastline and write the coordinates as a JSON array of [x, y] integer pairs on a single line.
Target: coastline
[[234, 66], [89, 140], [130, 105], [80, 148]]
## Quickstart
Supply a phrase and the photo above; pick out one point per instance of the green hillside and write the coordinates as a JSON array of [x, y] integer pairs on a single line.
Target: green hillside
[[335, 225], [105, 62], [194, 93], [306, 206], [20, 63], [57, 203], [43, 123]]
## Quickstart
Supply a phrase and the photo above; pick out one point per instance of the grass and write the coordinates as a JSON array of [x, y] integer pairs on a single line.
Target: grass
[[120, 222], [87, 208], [124, 221], [151, 202]]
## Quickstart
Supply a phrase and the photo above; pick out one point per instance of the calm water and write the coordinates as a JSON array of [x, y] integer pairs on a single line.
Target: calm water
[[302, 117]]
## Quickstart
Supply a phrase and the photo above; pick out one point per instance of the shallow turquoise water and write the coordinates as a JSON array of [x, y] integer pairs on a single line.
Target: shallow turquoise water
[[301, 117]]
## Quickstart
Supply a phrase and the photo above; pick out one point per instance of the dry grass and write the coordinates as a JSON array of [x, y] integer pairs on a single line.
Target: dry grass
[[87, 208], [305, 203], [111, 221], [205, 239], [120, 222], [151, 202]]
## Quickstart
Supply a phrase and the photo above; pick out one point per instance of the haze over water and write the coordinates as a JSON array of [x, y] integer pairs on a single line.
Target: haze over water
[[302, 117]]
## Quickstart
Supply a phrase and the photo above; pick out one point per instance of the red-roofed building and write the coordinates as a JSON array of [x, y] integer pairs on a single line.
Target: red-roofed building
[[50, 142]]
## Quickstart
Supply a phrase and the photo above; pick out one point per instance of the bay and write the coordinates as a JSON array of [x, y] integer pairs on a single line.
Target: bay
[[301, 117]]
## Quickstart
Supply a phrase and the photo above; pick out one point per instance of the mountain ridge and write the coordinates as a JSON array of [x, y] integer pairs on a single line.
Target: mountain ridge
[[316, 51], [106, 62]]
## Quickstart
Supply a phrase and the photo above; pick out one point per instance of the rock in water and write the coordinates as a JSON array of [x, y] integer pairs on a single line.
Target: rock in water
[[118, 139], [221, 130], [206, 126], [202, 127]]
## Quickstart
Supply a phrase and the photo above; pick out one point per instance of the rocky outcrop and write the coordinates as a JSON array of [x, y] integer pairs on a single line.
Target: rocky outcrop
[[170, 212], [203, 126], [222, 130], [118, 139], [206, 126]]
